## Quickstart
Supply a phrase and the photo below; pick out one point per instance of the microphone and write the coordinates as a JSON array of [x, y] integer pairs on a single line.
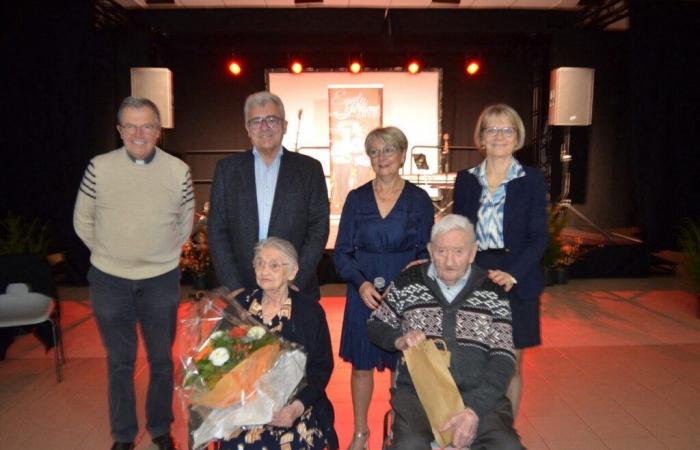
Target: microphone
[[379, 284]]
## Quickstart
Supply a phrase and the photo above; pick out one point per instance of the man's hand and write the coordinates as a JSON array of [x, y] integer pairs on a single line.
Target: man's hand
[[502, 279], [287, 414], [369, 295], [293, 287], [408, 340], [465, 424]]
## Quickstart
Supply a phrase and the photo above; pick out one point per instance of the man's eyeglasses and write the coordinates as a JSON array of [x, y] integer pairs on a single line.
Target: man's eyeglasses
[[130, 128], [389, 150], [272, 121], [506, 131], [274, 266]]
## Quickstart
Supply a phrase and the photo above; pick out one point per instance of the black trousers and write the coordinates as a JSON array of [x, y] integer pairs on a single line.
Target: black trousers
[[412, 431]]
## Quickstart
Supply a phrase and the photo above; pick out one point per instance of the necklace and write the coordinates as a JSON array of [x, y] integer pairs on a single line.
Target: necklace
[[390, 192]]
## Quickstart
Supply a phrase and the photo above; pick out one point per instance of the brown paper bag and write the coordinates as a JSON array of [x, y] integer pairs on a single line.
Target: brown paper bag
[[437, 391]]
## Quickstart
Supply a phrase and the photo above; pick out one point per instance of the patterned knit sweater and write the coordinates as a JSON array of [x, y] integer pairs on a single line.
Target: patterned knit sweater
[[134, 218], [476, 327]]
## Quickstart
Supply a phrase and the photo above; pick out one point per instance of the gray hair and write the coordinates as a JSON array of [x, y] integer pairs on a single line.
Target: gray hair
[[388, 135], [281, 245], [137, 103], [262, 98], [500, 109], [453, 222]]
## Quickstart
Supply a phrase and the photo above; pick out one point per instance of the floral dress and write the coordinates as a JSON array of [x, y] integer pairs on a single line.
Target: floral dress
[[305, 433]]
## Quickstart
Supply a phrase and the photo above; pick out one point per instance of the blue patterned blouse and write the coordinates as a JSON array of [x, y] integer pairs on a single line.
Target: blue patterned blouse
[[489, 227]]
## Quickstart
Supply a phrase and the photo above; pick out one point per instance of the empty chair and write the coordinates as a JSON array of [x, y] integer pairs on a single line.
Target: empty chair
[[20, 307]]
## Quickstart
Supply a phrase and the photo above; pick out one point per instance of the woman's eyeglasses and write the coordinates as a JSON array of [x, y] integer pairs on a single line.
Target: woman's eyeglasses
[[274, 266], [389, 150], [493, 131]]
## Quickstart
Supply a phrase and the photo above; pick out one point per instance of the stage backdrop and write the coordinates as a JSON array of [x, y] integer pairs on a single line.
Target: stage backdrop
[[325, 107]]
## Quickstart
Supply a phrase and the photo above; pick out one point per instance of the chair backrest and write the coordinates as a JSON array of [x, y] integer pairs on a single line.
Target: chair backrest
[[19, 307], [32, 269]]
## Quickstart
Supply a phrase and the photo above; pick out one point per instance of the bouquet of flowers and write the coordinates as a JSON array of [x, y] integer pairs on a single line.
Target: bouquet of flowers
[[235, 372]]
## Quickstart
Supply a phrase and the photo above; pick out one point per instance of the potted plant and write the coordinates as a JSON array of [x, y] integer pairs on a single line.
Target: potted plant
[[689, 241], [195, 259], [556, 220], [570, 250], [20, 236]]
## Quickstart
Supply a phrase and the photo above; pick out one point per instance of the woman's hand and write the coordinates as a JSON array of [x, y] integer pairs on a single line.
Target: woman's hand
[[502, 279], [369, 295], [409, 340], [287, 414], [414, 263]]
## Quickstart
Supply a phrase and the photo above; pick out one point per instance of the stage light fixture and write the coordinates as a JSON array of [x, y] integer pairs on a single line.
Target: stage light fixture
[[472, 63], [355, 66], [235, 67], [296, 66], [413, 67]]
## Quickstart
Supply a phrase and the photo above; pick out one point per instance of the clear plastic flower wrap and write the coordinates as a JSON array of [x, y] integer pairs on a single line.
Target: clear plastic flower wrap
[[235, 373]]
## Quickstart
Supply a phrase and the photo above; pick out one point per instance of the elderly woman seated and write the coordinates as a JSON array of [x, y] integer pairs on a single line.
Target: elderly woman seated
[[306, 422]]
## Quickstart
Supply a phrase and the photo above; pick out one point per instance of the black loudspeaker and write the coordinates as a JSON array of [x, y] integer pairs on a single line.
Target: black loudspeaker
[[155, 84], [571, 96]]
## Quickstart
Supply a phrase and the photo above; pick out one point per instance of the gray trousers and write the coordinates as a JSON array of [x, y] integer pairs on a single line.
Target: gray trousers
[[118, 305], [411, 428]]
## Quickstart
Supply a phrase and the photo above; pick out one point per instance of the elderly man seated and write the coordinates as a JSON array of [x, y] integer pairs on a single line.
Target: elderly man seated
[[453, 300]]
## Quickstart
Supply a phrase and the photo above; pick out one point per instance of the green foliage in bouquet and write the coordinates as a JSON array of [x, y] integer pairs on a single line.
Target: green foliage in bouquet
[[225, 350]]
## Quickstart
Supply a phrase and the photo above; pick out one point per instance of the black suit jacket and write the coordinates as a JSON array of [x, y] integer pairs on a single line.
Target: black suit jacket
[[299, 214]]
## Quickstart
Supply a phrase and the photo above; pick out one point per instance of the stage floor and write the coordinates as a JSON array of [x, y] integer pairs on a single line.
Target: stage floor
[[619, 369]]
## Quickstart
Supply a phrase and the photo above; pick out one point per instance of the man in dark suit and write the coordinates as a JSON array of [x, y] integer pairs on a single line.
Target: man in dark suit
[[267, 191]]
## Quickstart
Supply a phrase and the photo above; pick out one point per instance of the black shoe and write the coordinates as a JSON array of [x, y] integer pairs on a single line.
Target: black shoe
[[165, 442], [123, 446]]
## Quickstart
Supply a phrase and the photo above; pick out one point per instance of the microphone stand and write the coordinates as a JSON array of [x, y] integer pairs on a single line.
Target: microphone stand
[[296, 142]]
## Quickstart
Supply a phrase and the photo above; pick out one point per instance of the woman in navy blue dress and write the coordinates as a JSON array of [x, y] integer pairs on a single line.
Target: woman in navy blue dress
[[385, 226]]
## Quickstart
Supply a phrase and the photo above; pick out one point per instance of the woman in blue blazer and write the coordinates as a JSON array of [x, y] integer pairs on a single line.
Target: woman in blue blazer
[[507, 202]]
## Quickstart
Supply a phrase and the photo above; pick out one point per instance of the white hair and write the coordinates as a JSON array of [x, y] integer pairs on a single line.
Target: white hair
[[453, 222], [283, 246]]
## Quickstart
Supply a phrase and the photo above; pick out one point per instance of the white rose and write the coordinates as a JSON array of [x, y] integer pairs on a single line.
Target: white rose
[[216, 334], [219, 356], [256, 332]]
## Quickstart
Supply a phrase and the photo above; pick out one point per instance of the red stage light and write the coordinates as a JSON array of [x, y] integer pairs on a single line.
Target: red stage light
[[413, 67], [355, 67], [296, 67], [472, 67], [235, 68]]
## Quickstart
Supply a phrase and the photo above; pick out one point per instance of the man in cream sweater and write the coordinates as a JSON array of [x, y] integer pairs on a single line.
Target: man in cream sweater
[[134, 211]]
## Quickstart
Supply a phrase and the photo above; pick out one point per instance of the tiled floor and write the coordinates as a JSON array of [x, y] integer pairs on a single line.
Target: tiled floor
[[619, 369]]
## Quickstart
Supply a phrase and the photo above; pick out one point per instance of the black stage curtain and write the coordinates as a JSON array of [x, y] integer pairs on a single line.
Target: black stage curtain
[[665, 78], [45, 83]]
